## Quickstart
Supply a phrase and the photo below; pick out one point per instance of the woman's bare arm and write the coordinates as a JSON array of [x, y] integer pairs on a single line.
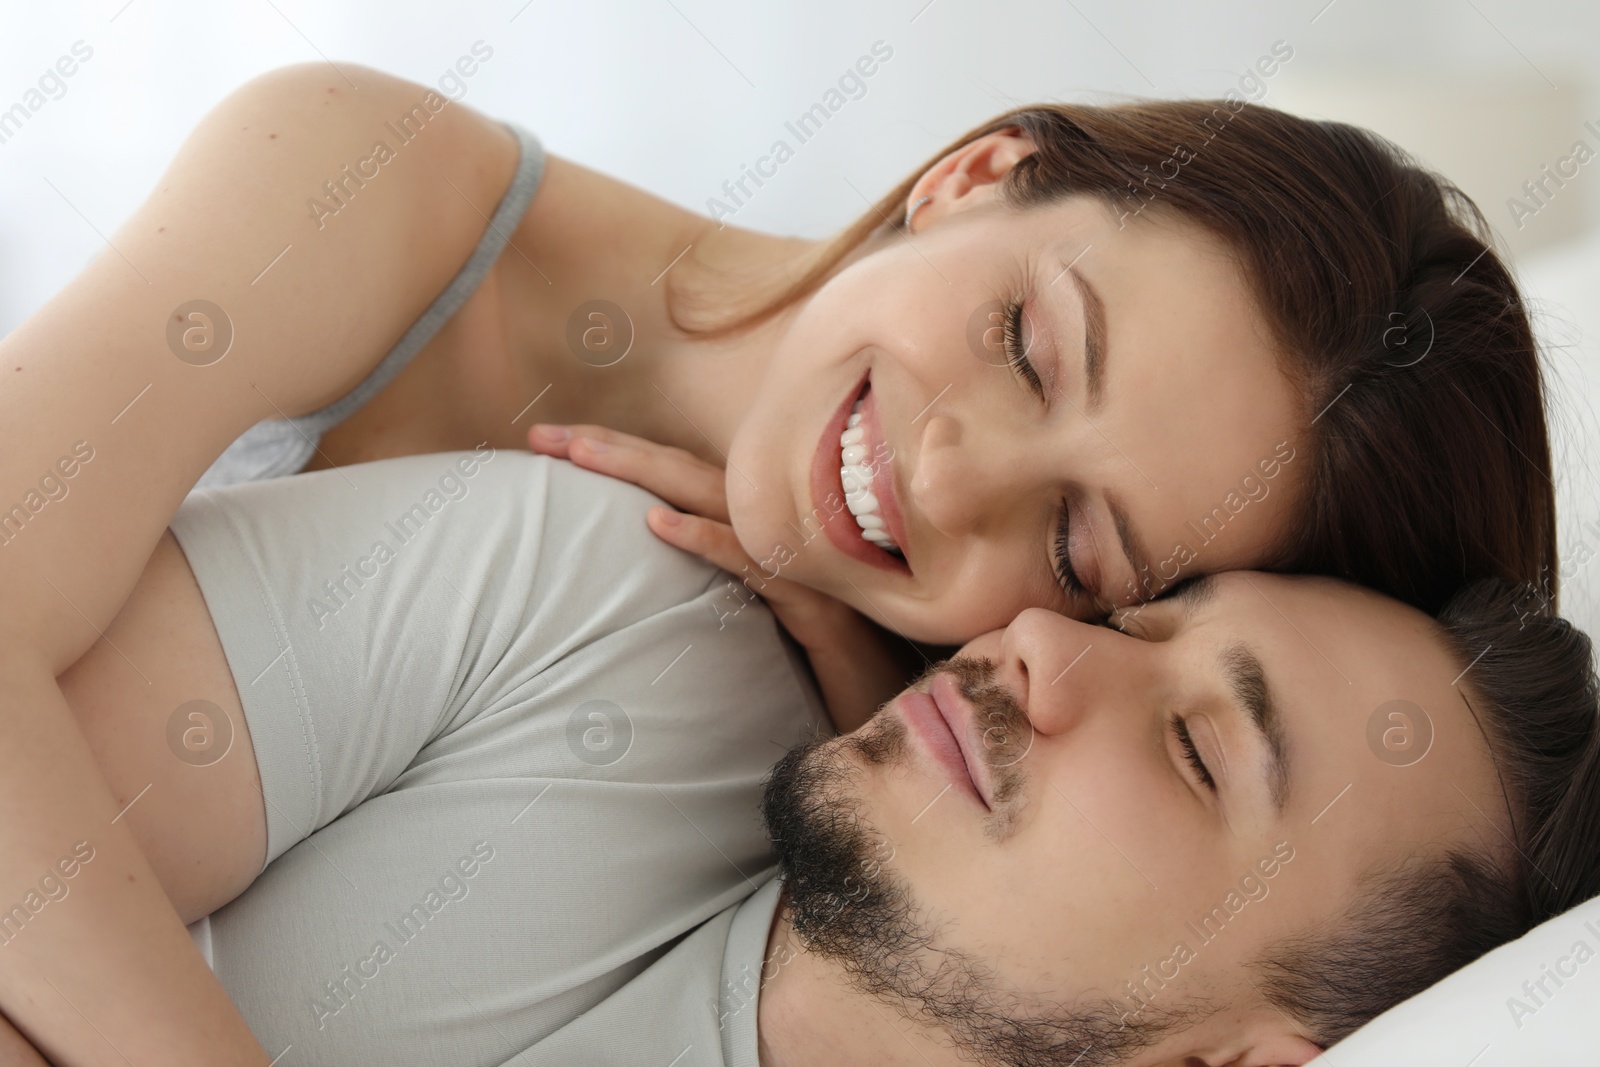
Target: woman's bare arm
[[104, 428], [16, 1050], [176, 738]]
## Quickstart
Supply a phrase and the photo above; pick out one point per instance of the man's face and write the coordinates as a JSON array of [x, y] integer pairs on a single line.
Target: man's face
[[1091, 827]]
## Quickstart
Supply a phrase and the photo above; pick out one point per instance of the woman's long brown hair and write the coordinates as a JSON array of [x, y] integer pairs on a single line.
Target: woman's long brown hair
[[1429, 462]]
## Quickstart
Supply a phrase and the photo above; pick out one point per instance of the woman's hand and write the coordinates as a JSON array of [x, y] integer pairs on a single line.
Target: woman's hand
[[858, 665]]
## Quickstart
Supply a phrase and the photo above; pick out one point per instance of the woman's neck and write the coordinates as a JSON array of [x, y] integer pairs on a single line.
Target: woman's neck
[[588, 238], [694, 392]]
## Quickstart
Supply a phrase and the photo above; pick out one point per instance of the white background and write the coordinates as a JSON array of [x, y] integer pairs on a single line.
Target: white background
[[674, 95]]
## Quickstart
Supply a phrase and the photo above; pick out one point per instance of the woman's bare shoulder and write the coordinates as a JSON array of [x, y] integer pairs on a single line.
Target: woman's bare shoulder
[[264, 275], [377, 185]]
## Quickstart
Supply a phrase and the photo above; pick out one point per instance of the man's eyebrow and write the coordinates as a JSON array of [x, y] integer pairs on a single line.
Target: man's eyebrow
[[1249, 683], [1094, 348], [1193, 593]]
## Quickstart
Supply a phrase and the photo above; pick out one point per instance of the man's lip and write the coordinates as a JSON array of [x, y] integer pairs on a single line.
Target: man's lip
[[962, 718], [837, 522], [942, 739]]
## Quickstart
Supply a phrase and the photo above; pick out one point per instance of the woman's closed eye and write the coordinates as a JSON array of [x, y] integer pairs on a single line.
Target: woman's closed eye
[[1061, 558], [1017, 351], [1016, 347]]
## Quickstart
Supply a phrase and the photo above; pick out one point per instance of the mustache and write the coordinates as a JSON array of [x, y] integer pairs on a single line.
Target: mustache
[[849, 904], [1006, 731]]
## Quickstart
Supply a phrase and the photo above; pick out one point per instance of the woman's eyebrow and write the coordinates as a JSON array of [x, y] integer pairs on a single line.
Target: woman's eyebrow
[[1094, 344], [1137, 559]]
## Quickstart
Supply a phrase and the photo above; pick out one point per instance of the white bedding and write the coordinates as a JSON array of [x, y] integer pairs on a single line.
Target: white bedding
[[1484, 1015]]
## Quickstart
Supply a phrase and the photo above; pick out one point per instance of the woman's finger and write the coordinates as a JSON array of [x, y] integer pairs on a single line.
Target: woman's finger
[[547, 440], [709, 539], [684, 481], [679, 477], [797, 605], [551, 438]]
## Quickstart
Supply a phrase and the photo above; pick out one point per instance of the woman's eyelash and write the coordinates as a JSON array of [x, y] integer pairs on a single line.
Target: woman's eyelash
[[1180, 728], [1017, 357], [1062, 561]]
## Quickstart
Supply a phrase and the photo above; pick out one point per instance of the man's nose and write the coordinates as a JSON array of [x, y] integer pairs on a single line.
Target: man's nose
[[1053, 660], [962, 476]]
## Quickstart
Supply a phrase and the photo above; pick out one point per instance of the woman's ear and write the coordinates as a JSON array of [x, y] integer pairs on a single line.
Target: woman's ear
[[968, 176]]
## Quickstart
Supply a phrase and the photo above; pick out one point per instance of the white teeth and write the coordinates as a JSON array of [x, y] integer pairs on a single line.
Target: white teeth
[[861, 504], [856, 478]]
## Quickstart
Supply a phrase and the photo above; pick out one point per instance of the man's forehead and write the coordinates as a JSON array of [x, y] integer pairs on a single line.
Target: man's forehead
[[1246, 602], [1194, 593], [1377, 756], [1352, 672], [1340, 658]]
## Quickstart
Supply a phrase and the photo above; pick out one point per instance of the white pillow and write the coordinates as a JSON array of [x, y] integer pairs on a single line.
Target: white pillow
[[1485, 1016]]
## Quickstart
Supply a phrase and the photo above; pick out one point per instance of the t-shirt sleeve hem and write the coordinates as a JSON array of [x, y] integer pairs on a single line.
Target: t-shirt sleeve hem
[[251, 626]]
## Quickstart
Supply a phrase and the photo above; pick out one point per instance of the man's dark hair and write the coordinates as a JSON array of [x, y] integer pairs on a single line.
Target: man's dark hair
[[1529, 678]]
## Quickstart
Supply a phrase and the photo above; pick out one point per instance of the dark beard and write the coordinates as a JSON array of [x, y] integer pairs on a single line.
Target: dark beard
[[847, 906]]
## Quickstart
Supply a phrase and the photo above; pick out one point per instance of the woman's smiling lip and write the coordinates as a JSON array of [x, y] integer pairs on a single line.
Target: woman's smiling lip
[[837, 522], [883, 485]]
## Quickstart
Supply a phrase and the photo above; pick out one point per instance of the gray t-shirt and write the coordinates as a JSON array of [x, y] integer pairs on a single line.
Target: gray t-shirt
[[511, 747]]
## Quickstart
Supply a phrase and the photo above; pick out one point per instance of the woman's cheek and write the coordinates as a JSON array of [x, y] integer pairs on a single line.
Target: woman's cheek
[[747, 505], [959, 614], [750, 515]]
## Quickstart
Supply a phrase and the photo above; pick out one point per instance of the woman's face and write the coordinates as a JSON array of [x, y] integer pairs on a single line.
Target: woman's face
[[1142, 432]]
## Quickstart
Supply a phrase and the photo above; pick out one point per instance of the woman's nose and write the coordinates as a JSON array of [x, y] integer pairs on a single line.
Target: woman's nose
[[958, 480], [1053, 657]]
